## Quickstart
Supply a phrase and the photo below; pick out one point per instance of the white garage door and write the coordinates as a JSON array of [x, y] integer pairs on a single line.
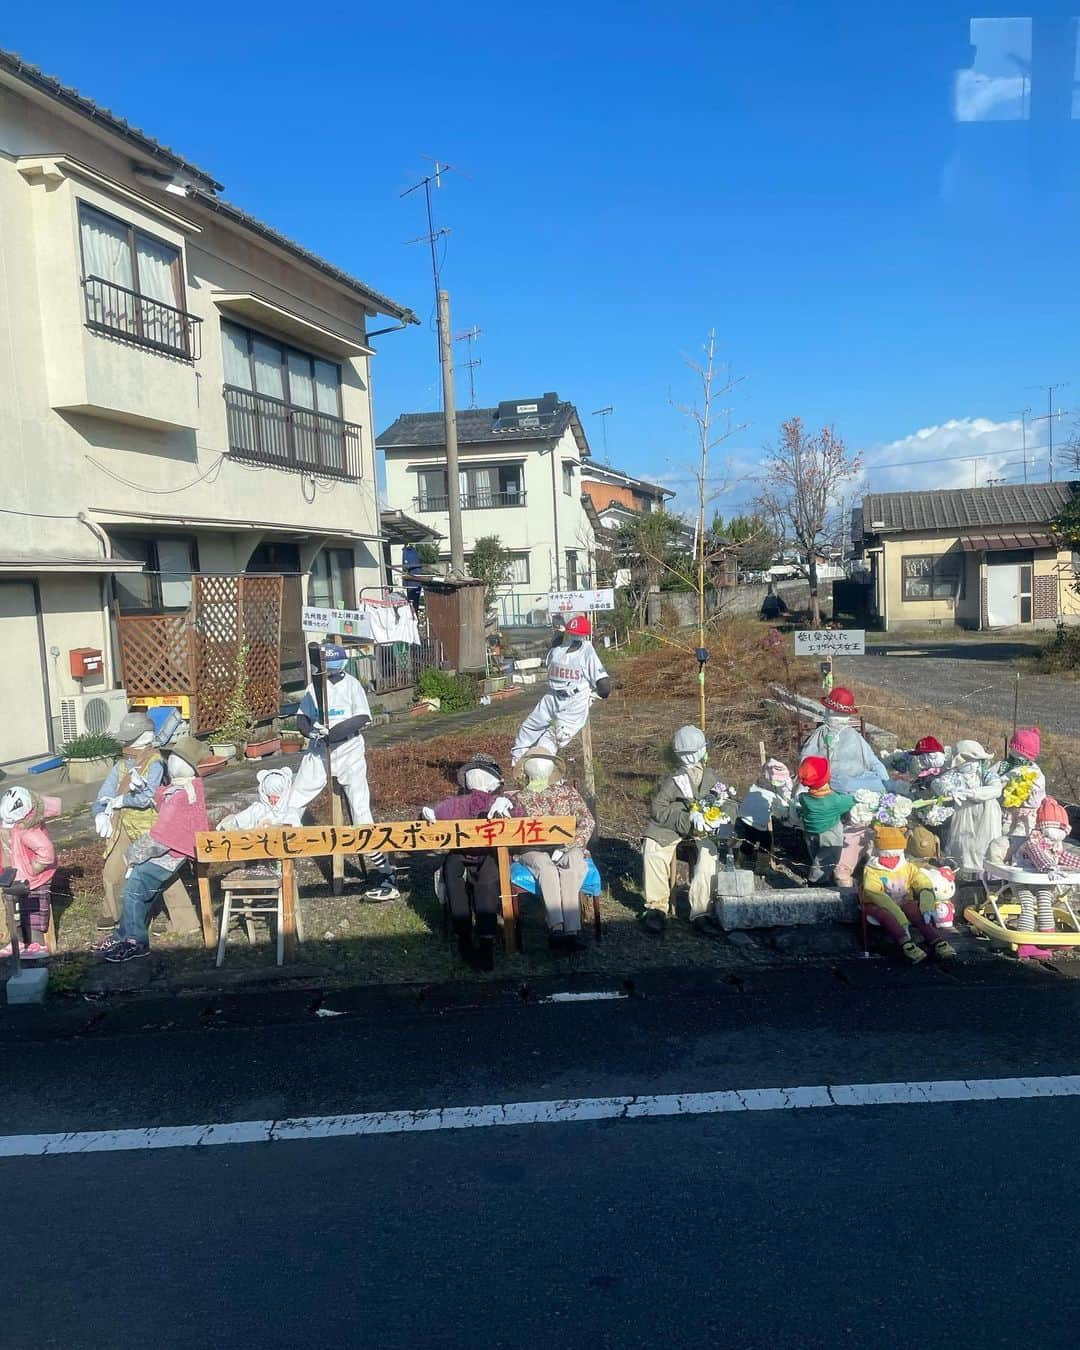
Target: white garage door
[[25, 725]]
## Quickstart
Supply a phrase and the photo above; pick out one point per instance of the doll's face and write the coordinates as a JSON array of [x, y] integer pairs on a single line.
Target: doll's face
[[1055, 833], [931, 761], [482, 780], [15, 805], [179, 768]]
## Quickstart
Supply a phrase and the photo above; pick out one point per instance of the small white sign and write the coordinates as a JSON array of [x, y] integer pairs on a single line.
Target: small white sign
[[580, 602], [346, 622], [831, 642]]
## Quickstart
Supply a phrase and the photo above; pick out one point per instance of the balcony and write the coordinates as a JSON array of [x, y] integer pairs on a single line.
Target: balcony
[[472, 501], [140, 320], [264, 430]]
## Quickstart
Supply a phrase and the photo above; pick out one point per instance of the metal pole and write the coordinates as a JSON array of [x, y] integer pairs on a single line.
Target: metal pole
[[453, 491], [555, 520]]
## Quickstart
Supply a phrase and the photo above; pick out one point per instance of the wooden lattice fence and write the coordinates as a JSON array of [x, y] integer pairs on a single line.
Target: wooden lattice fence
[[196, 652]]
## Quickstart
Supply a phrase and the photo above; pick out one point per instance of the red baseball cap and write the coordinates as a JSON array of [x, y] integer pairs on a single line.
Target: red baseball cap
[[579, 626], [929, 745]]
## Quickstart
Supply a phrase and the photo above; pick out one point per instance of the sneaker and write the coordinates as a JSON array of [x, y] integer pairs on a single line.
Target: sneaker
[[106, 944], [943, 950], [565, 944], [704, 925], [913, 952], [36, 951], [382, 889], [127, 949], [653, 921]]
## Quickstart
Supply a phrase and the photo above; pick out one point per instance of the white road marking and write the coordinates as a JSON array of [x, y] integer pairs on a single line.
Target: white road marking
[[589, 996], [572, 1109]]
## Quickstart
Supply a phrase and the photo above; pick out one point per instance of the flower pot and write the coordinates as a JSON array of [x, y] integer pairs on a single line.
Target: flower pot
[[292, 745], [88, 770], [211, 765], [223, 750], [260, 749]]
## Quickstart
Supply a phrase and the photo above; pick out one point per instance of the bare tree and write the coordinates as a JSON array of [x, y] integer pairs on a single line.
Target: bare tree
[[800, 486]]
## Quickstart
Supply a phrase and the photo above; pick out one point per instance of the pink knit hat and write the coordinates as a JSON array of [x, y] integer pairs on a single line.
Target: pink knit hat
[[1026, 742]]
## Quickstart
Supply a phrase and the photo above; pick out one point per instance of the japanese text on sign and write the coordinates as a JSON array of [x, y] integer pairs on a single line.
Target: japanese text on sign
[[831, 642], [347, 622], [395, 836], [580, 602]]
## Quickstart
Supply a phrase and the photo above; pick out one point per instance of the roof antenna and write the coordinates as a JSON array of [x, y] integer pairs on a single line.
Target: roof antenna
[[473, 362], [604, 414]]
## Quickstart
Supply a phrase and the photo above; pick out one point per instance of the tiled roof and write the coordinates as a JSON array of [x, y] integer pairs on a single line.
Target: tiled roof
[[964, 508], [49, 84], [604, 473], [475, 426]]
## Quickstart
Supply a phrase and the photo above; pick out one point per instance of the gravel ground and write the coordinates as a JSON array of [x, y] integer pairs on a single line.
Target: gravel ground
[[979, 676]]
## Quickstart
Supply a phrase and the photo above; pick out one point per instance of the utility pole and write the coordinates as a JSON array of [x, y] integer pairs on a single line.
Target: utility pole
[[1022, 413], [474, 362], [1048, 418], [446, 360], [453, 490]]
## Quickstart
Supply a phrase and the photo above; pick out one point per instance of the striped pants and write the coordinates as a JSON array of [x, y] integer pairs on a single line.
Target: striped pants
[[1040, 898]]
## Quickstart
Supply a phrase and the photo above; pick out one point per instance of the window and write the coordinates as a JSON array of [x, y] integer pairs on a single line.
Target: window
[[134, 283], [932, 576], [331, 583], [571, 569], [166, 584], [284, 405], [482, 486], [1026, 573], [568, 478], [519, 569]]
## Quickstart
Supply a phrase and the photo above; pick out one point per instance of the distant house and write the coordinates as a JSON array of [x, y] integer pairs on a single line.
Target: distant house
[[520, 468], [618, 496], [970, 557]]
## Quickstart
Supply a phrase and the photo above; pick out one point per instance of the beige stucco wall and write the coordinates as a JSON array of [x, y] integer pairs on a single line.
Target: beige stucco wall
[[90, 424], [965, 612], [528, 528]]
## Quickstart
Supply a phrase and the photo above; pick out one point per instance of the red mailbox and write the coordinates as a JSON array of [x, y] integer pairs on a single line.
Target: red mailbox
[[85, 661]]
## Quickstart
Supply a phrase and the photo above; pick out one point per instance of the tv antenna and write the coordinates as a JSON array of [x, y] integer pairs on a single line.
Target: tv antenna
[[1049, 416], [604, 414], [473, 362]]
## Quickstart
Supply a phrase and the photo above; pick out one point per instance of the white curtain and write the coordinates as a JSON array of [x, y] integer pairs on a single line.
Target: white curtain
[[106, 253], [268, 378], [157, 270], [327, 381], [301, 390], [235, 353]]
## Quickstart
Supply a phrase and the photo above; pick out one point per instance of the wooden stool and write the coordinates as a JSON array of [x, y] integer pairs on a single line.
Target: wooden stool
[[248, 897]]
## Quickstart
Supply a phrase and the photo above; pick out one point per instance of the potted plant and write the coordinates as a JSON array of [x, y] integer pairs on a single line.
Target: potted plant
[[268, 744], [232, 736], [292, 738], [90, 756]]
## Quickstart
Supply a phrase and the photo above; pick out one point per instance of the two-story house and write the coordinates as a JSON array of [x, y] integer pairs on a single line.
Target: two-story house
[[183, 390], [520, 468], [618, 496]]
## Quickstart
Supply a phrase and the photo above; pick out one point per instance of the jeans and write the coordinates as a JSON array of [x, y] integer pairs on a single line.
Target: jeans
[[141, 889]]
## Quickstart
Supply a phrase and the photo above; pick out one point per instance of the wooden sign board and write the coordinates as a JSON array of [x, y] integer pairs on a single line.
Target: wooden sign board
[[831, 642], [396, 836]]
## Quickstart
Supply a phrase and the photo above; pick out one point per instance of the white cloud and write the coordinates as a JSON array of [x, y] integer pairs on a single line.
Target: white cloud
[[962, 452]]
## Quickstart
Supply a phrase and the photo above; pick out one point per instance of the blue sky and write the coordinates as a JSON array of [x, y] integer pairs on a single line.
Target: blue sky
[[879, 243]]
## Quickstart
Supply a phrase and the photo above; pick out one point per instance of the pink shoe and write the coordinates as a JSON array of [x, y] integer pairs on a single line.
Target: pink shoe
[[1027, 952], [36, 951]]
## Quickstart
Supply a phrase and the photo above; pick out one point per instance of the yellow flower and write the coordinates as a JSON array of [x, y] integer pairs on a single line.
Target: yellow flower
[[1018, 787]]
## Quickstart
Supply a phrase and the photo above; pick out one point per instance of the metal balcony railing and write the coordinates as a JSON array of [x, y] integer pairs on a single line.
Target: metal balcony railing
[[141, 320], [265, 430], [471, 501]]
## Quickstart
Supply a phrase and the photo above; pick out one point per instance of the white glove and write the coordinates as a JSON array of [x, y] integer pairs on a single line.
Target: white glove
[[427, 813], [116, 804], [137, 780], [697, 822], [319, 730], [500, 808], [558, 857], [959, 797], [103, 824]]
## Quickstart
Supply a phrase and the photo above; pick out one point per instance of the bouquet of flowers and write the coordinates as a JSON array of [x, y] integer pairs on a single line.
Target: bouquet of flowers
[[1018, 785], [713, 808], [886, 808], [935, 813], [900, 764]]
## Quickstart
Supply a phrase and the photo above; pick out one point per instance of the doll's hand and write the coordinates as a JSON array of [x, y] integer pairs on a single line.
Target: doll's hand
[[500, 808], [428, 814]]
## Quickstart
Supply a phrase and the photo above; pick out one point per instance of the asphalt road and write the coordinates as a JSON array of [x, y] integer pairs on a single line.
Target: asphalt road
[[977, 676], [925, 1225]]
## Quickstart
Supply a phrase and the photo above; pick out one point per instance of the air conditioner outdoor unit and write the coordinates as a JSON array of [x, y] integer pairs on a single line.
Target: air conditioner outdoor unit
[[99, 712]]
